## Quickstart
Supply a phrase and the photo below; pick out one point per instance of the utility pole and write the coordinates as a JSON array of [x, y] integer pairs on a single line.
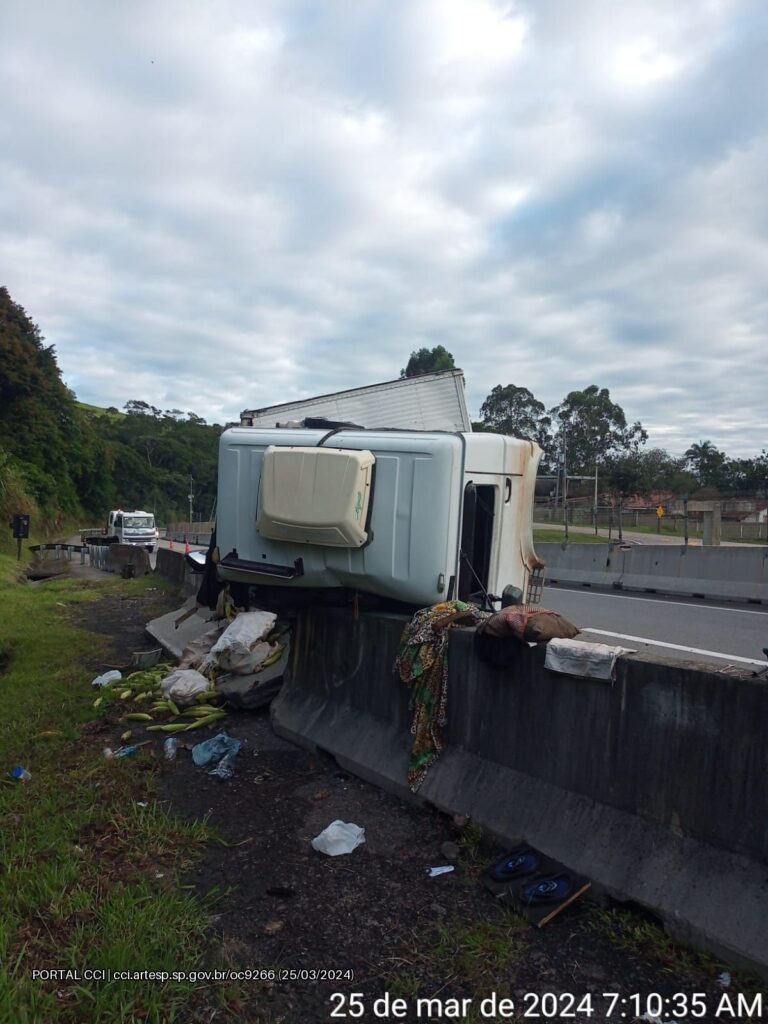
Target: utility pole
[[595, 498], [565, 484], [191, 497]]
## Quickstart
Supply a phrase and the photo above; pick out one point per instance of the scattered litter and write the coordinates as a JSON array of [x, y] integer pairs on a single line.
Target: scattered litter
[[20, 773], [338, 838], [109, 753], [221, 748], [444, 870], [107, 678], [169, 748], [127, 751], [724, 979], [159, 874], [142, 803], [273, 926]]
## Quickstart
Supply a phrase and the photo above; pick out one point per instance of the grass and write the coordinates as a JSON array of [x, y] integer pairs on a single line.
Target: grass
[[643, 938], [471, 954], [98, 410], [79, 856]]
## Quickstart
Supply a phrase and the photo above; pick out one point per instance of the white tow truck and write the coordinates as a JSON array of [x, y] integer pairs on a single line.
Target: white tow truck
[[131, 526]]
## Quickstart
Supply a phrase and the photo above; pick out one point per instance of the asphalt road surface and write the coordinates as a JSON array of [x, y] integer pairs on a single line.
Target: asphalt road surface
[[705, 630]]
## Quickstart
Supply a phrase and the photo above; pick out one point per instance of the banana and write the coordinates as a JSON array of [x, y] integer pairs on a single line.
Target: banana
[[98, 701], [126, 736], [139, 716], [201, 710], [208, 720], [143, 696], [125, 694], [172, 707], [173, 727], [275, 656]]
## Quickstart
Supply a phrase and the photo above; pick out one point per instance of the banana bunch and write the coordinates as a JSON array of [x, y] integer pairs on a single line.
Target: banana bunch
[[145, 686]]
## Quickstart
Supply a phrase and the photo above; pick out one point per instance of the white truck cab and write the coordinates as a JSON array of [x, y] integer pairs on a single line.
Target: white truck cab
[[414, 516], [132, 526]]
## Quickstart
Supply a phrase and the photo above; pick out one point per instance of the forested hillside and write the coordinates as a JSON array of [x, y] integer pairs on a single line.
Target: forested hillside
[[62, 459]]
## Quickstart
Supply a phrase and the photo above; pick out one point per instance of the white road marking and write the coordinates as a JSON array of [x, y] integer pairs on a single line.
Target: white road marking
[[677, 647], [658, 600]]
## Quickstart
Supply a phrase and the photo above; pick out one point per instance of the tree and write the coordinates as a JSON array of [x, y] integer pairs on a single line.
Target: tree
[[593, 429], [515, 411], [428, 360], [625, 478], [40, 428], [138, 408], [663, 472], [707, 462]]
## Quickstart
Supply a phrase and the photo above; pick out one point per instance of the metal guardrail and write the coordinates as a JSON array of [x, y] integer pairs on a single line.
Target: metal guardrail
[[96, 554], [61, 550]]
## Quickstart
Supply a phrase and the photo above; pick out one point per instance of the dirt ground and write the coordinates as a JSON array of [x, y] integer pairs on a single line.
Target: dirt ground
[[374, 916]]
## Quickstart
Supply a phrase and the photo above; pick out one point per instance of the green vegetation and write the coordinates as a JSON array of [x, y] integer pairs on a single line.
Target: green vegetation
[[553, 536], [60, 458], [79, 856], [645, 939], [589, 429], [428, 360]]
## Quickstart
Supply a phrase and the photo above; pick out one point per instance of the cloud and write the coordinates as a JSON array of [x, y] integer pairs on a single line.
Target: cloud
[[224, 206]]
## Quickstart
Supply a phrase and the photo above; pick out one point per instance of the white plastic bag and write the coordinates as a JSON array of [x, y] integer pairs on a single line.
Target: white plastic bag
[[183, 685], [340, 837], [238, 649], [113, 676]]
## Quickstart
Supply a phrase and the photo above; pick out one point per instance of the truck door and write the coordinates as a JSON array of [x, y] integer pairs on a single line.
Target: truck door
[[479, 513]]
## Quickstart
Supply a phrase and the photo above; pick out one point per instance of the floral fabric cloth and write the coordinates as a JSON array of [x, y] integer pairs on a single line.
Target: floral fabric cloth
[[422, 664]]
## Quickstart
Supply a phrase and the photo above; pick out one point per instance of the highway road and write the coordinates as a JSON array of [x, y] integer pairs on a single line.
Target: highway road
[[694, 629]]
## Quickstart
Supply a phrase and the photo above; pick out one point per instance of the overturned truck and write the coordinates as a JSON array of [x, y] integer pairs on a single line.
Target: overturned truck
[[410, 517]]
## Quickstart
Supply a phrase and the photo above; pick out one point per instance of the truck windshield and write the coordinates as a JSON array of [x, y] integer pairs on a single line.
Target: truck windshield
[[139, 522]]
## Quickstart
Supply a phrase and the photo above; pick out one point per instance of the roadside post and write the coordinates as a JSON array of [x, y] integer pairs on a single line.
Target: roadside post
[[685, 518], [20, 526]]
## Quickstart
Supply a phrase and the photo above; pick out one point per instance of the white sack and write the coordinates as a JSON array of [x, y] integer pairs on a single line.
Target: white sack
[[184, 685], [238, 649], [579, 658]]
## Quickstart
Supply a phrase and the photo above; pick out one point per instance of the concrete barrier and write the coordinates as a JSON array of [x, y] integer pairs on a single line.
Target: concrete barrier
[[172, 566], [739, 574], [118, 555], [656, 786]]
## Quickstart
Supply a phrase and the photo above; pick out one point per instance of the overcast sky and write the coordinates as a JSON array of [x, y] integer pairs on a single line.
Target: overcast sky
[[220, 205]]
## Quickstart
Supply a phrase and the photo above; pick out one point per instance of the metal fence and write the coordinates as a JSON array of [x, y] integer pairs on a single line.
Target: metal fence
[[647, 521], [194, 532]]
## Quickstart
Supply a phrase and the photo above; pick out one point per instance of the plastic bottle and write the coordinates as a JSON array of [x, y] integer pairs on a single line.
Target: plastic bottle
[[127, 751], [20, 773], [169, 748]]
